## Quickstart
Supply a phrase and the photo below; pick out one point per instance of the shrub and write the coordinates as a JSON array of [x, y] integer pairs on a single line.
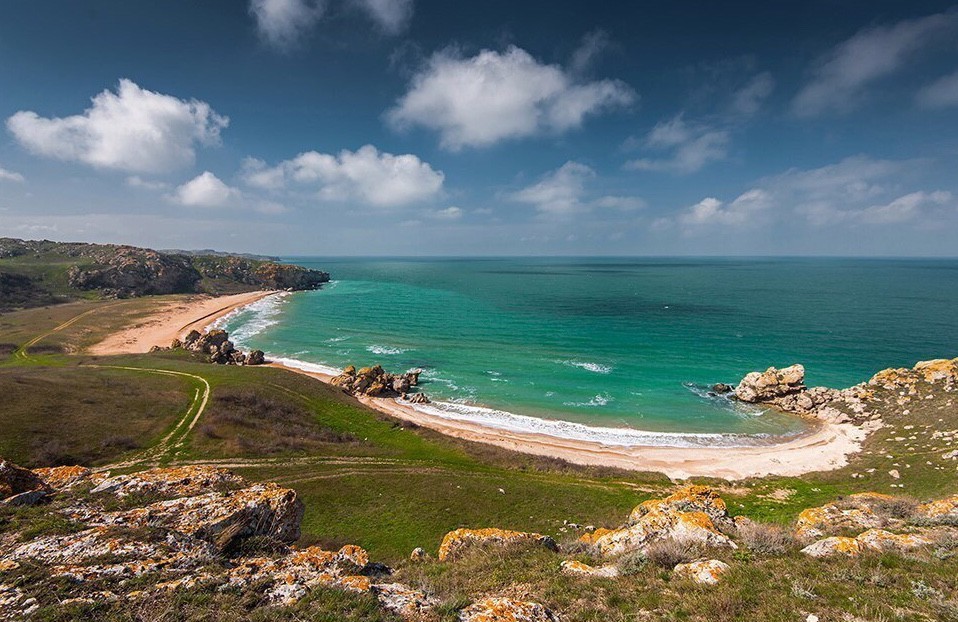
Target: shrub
[[632, 563], [669, 553], [766, 539]]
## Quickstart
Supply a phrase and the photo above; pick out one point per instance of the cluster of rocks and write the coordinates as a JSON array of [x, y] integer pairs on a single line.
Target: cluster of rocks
[[217, 347], [177, 543], [785, 389], [377, 382]]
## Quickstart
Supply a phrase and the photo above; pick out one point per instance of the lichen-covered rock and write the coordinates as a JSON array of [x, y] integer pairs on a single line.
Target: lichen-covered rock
[[456, 541], [402, 599], [940, 509], [63, 478], [663, 524], [260, 510], [831, 518], [592, 537], [174, 481], [576, 568], [772, 383], [506, 610], [937, 371], [687, 499], [886, 541], [706, 572], [834, 545]]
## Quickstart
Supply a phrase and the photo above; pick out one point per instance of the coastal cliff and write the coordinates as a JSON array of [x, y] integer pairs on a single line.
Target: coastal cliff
[[34, 273]]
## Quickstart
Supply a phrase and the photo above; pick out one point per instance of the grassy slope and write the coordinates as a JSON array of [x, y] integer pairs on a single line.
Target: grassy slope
[[393, 488]]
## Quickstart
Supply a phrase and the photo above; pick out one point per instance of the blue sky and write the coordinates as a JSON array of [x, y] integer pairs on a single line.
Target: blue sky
[[419, 127]]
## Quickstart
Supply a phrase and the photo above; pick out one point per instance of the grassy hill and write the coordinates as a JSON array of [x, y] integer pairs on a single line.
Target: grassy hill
[[36, 273]]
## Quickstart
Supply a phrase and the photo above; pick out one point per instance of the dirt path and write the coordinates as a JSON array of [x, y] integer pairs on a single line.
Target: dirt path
[[23, 351]]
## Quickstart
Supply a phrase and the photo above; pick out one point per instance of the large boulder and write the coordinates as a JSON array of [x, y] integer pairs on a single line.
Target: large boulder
[[770, 384], [662, 524], [579, 569], [168, 482], [456, 541], [877, 540], [854, 513], [376, 382], [506, 610], [687, 499], [15, 480], [940, 510], [834, 545]]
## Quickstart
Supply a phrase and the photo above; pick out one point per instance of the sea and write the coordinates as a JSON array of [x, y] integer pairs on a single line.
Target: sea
[[620, 351]]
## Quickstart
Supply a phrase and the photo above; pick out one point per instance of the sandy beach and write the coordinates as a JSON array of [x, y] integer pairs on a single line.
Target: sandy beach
[[825, 446], [172, 320]]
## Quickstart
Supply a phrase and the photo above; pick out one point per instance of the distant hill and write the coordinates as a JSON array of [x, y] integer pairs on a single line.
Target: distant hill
[[214, 253], [41, 272]]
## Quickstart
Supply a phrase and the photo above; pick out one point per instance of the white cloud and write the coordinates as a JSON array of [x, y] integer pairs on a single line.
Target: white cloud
[[593, 44], [450, 213], [282, 23], [905, 208], [206, 190], [940, 94], [841, 76], [563, 193], [367, 175], [6, 175], [692, 147], [743, 211], [749, 99], [132, 130], [391, 15], [490, 97]]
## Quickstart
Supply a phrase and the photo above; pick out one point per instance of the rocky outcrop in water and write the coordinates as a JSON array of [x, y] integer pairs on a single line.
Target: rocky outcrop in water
[[377, 382], [179, 532]]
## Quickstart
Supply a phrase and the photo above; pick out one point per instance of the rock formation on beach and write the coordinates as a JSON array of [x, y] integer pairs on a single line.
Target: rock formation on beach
[[218, 348], [785, 389], [376, 382]]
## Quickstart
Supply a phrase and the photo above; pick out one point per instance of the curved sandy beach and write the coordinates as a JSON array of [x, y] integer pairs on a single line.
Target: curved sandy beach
[[172, 320], [825, 446]]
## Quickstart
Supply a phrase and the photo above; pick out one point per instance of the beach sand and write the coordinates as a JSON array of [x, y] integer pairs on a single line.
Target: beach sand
[[171, 320], [824, 447]]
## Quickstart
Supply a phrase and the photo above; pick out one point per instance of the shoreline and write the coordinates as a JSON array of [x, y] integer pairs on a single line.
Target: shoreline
[[825, 446], [175, 319]]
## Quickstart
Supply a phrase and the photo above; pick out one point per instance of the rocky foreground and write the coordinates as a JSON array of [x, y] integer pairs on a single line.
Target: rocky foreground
[[132, 537]]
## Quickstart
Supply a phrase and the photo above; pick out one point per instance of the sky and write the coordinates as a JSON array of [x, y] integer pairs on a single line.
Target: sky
[[502, 127]]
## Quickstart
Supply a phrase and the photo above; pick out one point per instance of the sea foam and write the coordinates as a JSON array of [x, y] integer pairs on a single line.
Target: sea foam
[[596, 368], [264, 313]]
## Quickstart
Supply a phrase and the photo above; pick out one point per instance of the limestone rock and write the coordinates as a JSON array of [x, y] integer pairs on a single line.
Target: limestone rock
[[403, 600], [456, 541], [937, 371], [572, 567], [506, 610], [687, 499], [707, 572], [940, 509], [175, 481], [418, 554], [885, 541], [834, 545], [857, 513], [260, 510], [256, 357], [663, 524], [772, 383], [63, 478], [376, 382]]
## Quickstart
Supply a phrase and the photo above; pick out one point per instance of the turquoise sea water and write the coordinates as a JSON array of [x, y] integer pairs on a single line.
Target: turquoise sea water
[[619, 345]]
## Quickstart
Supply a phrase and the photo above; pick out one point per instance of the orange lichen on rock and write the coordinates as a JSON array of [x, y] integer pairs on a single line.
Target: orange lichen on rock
[[577, 568], [705, 572], [592, 537], [65, 477], [818, 521], [506, 610], [883, 541], [834, 545], [455, 541], [686, 499], [173, 481], [939, 509]]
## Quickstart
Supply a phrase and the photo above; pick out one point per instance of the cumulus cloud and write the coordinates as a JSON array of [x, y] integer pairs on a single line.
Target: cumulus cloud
[[206, 190], [391, 15], [840, 77], [6, 175], [367, 176], [282, 23], [494, 96], [691, 147], [563, 192], [942, 93], [742, 211], [133, 130]]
